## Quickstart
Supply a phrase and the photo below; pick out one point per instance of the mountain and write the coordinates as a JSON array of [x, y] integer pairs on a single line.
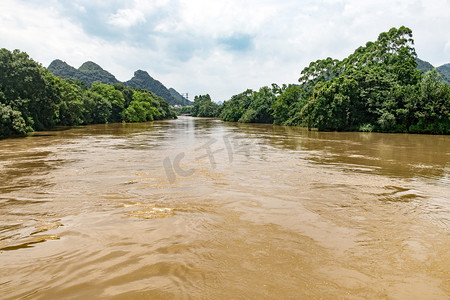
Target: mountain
[[444, 70], [89, 72], [62, 69], [143, 80], [423, 66], [180, 98], [94, 72]]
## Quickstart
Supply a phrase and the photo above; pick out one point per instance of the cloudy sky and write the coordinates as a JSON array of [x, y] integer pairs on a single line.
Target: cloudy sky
[[216, 47]]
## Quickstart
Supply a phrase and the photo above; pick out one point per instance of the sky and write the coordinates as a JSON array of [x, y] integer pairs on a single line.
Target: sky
[[220, 48]]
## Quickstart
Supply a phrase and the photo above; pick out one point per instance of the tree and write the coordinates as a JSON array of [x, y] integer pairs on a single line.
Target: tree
[[369, 89], [288, 104], [97, 109], [433, 106], [28, 88], [233, 109], [260, 110], [142, 108], [115, 97], [32, 98], [12, 122], [70, 108], [320, 70], [204, 107]]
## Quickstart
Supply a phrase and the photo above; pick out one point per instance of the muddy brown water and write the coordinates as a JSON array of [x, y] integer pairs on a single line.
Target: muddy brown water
[[201, 209]]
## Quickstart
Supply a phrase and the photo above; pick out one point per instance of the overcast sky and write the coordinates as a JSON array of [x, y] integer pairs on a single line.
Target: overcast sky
[[216, 47]]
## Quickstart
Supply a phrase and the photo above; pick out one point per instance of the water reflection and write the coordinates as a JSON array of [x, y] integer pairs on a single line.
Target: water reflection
[[400, 155]]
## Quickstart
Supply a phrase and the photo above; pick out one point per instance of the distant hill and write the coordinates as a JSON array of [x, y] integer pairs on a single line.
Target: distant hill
[[143, 80], [90, 72], [444, 70], [178, 96], [62, 69], [424, 66], [95, 73]]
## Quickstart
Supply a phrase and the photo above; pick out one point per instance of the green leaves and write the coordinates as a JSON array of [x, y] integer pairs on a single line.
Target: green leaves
[[115, 97], [288, 104], [233, 109], [377, 88], [320, 70], [373, 89], [204, 107], [142, 108], [12, 122], [260, 110], [32, 98], [251, 107], [28, 88], [433, 105]]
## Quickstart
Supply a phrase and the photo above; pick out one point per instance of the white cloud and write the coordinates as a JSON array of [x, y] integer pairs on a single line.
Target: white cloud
[[222, 18], [39, 31], [126, 18], [188, 44], [80, 7]]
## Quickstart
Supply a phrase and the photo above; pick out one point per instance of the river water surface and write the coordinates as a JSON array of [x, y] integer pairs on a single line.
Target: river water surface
[[198, 208]]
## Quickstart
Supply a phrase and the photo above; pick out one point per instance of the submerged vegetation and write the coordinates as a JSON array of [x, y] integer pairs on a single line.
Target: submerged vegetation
[[32, 98], [377, 88]]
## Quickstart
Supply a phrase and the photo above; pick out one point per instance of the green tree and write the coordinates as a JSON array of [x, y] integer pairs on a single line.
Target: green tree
[[370, 89], [320, 70], [12, 122], [287, 106], [27, 87], [97, 109], [32, 98], [260, 109], [204, 107], [142, 108], [70, 108], [115, 97], [233, 109], [433, 106]]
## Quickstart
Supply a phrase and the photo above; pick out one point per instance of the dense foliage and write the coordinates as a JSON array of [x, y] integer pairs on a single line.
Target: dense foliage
[[204, 107], [377, 88], [32, 98], [233, 109]]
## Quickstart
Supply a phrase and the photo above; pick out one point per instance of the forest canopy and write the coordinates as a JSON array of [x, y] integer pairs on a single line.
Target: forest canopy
[[376, 88], [32, 98]]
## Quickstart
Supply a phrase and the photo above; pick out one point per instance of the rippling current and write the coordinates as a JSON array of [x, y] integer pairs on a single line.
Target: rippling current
[[198, 208]]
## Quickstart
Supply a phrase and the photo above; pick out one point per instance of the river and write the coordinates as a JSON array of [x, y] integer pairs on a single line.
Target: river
[[202, 209]]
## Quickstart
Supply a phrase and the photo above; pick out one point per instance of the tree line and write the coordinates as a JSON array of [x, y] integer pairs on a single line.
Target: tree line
[[376, 88], [32, 98]]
